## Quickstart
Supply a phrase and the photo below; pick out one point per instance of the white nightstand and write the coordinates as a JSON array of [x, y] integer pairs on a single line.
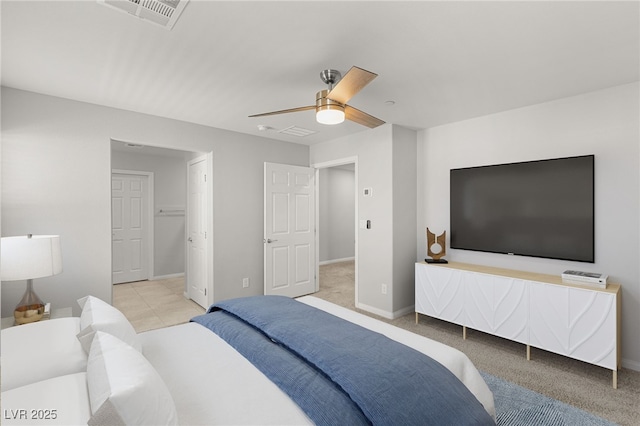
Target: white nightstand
[[55, 313]]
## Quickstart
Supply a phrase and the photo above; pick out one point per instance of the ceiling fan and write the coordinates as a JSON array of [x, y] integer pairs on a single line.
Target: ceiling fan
[[331, 104]]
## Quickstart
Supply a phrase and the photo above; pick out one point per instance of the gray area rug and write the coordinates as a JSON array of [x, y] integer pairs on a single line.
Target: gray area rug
[[517, 406]]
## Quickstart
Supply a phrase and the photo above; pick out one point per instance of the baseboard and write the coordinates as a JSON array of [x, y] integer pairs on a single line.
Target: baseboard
[[168, 276], [404, 311], [329, 262], [631, 365], [376, 311], [385, 314]]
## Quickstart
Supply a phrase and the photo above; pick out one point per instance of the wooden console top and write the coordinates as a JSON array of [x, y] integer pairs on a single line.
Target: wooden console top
[[531, 276]]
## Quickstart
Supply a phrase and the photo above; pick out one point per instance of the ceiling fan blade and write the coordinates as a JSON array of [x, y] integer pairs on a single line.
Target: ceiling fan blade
[[360, 117], [284, 111], [352, 82]]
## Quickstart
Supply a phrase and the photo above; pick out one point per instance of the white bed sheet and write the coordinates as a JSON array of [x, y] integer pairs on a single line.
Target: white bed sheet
[[211, 383]]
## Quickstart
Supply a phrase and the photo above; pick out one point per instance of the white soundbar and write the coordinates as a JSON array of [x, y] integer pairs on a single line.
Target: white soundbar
[[588, 278]]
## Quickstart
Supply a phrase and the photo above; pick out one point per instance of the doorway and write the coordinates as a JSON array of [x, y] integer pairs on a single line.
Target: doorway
[[168, 209], [337, 229]]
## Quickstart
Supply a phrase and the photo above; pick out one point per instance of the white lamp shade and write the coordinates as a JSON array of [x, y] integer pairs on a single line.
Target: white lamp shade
[[23, 258], [330, 115]]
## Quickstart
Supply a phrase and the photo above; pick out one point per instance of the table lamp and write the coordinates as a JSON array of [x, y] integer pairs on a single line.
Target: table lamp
[[26, 258]]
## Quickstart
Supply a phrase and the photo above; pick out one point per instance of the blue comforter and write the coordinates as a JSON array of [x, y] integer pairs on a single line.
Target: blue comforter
[[339, 372]]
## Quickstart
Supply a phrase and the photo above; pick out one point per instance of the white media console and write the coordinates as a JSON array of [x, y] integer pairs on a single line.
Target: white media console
[[533, 309]]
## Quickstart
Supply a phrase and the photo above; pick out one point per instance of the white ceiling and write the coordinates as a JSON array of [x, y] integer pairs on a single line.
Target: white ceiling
[[440, 62]]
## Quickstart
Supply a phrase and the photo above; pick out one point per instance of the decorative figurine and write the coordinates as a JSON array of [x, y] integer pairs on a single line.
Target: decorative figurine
[[436, 248]]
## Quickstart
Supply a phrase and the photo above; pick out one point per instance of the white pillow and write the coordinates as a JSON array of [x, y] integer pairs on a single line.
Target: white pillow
[[40, 351], [124, 388], [98, 315]]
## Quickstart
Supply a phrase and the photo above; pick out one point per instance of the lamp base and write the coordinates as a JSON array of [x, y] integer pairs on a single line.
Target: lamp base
[[30, 308], [27, 314]]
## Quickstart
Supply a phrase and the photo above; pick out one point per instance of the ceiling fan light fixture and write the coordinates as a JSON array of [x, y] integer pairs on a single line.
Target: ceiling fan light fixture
[[333, 114], [328, 111], [331, 104]]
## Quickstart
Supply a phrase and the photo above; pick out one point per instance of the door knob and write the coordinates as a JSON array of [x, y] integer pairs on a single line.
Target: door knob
[[190, 240], [269, 241]]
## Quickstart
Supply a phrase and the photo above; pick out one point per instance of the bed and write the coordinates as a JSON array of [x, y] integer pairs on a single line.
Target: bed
[[97, 370]]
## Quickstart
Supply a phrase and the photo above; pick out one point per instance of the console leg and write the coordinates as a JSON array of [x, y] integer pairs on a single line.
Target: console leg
[[464, 332], [615, 379], [528, 353], [416, 317]]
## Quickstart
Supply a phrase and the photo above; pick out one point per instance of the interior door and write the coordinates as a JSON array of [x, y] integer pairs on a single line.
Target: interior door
[[289, 230], [129, 227], [197, 232]]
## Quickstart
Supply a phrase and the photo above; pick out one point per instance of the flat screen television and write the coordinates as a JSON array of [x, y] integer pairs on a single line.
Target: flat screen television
[[539, 208]]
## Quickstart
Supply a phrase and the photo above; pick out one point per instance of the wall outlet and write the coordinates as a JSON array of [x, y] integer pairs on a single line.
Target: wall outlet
[[245, 282], [384, 289]]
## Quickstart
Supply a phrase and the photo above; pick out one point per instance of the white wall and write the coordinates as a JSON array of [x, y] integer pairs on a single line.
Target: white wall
[[170, 190], [337, 214], [56, 178], [605, 123], [404, 214], [378, 247], [375, 253]]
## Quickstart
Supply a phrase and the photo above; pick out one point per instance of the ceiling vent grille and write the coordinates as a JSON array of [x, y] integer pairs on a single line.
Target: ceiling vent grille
[[160, 12], [297, 131]]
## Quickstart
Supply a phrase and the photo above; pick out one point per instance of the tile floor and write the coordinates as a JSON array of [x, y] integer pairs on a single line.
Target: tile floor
[[155, 304]]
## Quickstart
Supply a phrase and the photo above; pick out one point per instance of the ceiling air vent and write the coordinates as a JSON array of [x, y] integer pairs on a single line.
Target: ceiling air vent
[[161, 12], [297, 131]]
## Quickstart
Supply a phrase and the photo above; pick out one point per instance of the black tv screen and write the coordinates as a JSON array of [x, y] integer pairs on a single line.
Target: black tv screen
[[538, 208]]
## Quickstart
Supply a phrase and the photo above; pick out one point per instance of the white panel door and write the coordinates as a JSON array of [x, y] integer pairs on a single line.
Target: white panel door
[[197, 232], [129, 227], [289, 230]]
